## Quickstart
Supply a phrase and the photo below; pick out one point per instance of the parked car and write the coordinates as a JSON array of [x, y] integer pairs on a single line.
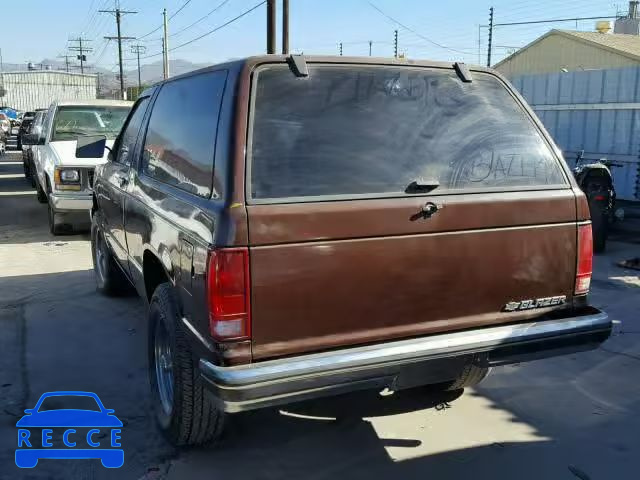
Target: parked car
[[63, 181], [12, 115], [25, 122], [3, 143], [5, 124], [34, 128], [316, 225]]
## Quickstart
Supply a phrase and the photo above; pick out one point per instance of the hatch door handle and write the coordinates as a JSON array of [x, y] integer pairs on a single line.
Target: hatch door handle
[[428, 210]]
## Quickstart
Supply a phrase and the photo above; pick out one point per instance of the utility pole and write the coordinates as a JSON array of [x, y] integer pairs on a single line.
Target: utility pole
[[66, 61], [285, 27], [370, 45], [1, 60], [340, 48], [165, 43], [138, 49], [395, 43], [118, 14], [271, 26], [81, 51], [490, 37]]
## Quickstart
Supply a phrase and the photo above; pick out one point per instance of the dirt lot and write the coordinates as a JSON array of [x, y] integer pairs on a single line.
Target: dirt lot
[[564, 418]]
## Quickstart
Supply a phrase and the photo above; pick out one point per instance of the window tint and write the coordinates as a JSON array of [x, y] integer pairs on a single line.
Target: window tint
[[181, 136], [127, 141], [375, 130]]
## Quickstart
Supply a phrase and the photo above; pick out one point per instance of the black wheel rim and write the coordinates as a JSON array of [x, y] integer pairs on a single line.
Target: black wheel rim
[[163, 359]]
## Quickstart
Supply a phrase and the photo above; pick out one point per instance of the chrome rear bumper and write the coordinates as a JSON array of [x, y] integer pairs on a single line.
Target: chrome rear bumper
[[432, 359]]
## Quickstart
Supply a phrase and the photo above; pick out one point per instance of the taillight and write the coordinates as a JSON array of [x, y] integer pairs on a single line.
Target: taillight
[[585, 259], [228, 286]]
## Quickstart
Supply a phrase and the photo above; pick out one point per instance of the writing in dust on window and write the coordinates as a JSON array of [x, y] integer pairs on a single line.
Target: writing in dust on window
[[491, 168]]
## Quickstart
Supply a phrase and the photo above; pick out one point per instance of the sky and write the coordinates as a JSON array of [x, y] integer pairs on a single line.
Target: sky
[[439, 30]]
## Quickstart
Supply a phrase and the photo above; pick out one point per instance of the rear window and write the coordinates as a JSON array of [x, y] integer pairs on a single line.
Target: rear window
[[368, 131]]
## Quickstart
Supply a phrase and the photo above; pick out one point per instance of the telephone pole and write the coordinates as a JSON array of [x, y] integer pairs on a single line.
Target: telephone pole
[[395, 43], [490, 37], [165, 45], [285, 27], [66, 61], [370, 45], [118, 14], [271, 26], [138, 49], [81, 49]]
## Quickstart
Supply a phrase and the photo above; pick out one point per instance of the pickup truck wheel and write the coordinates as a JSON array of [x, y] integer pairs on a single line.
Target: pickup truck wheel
[[25, 169], [600, 225], [109, 278], [32, 176], [56, 227], [40, 193], [184, 412], [471, 376]]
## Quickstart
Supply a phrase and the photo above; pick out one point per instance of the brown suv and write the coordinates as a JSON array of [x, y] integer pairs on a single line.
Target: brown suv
[[316, 225]]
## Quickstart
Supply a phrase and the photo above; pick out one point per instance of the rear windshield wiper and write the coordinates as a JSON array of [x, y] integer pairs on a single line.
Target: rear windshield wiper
[[420, 185]]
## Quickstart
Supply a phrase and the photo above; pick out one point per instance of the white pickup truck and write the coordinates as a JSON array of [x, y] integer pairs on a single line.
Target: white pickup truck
[[63, 181]]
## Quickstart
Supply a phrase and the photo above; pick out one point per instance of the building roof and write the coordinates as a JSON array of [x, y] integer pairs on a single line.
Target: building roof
[[628, 45], [622, 44]]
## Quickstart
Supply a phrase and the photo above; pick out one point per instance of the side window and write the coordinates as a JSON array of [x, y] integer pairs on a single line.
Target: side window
[[126, 143], [181, 136]]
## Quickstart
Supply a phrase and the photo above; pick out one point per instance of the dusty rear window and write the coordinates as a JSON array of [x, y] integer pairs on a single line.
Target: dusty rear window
[[363, 130]]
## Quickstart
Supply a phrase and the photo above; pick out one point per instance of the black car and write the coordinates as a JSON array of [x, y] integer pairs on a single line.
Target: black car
[[3, 142], [27, 119]]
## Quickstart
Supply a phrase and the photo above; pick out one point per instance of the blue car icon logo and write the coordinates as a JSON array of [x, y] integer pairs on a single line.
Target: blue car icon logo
[[88, 432]]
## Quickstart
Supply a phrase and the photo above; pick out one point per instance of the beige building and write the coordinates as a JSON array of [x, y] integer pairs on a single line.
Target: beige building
[[566, 50]]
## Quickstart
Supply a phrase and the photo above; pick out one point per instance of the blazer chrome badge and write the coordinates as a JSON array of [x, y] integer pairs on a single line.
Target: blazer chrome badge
[[535, 303]]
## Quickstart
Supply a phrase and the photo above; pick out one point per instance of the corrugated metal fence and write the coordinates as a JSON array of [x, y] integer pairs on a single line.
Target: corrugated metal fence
[[37, 89], [597, 111]]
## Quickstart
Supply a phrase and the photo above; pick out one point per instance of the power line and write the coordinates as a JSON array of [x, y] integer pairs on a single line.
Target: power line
[[224, 2], [162, 25], [102, 52], [246, 12], [416, 33]]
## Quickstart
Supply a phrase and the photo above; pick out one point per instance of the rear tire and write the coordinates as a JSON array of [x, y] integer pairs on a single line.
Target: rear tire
[[600, 232], [470, 376], [110, 280], [184, 412], [25, 169], [41, 195]]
